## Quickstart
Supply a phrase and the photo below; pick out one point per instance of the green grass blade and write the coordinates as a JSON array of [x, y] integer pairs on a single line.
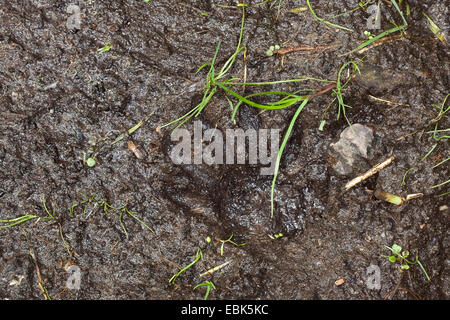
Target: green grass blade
[[263, 83], [16, 221], [383, 34], [325, 21], [258, 105], [440, 184], [140, 221], [280, 152], [443, 161], [429, 152], [198, 257]]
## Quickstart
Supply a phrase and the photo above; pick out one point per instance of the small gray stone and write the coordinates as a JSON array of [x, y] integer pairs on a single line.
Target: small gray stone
[[352, 150]]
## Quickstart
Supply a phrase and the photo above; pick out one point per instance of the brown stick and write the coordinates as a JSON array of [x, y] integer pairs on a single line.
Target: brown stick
[[368, 174], [323, 90]]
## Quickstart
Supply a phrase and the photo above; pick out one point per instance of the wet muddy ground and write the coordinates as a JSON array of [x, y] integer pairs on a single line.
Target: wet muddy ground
[[62, 100]]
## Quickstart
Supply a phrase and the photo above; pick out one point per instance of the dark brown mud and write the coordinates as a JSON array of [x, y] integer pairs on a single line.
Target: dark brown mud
[[60, 98]]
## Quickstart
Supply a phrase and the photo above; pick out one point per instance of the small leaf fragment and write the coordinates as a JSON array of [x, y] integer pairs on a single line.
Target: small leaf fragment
[[90, 162]]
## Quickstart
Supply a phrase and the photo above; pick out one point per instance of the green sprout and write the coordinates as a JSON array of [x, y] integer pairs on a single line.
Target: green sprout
[[90, 162], [368, 34], [276, 236], [8, 223], [208, 285], [438, 135], [400, 255], [272, 4], [198, 256], [105, 48], [322, 124], [230, 241], [50, 215], [272, 49], [107, 209], [340, 88], [443, 109]]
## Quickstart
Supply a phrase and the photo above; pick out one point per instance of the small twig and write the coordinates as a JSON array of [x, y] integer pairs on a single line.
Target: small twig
[[323, 90], [212, 270], [304, 48], [406, 135], [389, 102], [415, 296], [381, 41], [368, 174]]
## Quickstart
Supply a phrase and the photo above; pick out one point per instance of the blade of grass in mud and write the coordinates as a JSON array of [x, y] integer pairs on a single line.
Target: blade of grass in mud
[[440, 184], [442, 162], [280, 152], [263, 83], [326, 21], [339, 88], [383, 34], [429, 152], [207, 96], [262, 106], [139, 220], [16, 221], [197, 257]]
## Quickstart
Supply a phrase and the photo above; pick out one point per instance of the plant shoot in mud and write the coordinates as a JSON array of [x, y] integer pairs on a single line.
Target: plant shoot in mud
[[400, 256]]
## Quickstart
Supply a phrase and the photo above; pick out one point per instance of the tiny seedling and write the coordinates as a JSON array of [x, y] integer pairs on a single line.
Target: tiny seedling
[[272, 4], [400, 256], [194, 8], [208, 285], [8, 223], [272, 49], [230, 241], [322, 124], [340, 88], [50, 215], [90, 162], [198, 256], [368, 34], [107, 209], [105, 48], [443, 109], [276, 236]]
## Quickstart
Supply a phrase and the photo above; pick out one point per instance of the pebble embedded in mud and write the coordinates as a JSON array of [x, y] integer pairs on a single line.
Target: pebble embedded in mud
[[354, 147]]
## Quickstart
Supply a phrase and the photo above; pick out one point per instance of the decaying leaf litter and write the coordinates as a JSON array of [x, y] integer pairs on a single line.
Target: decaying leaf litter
[[120, 73]]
